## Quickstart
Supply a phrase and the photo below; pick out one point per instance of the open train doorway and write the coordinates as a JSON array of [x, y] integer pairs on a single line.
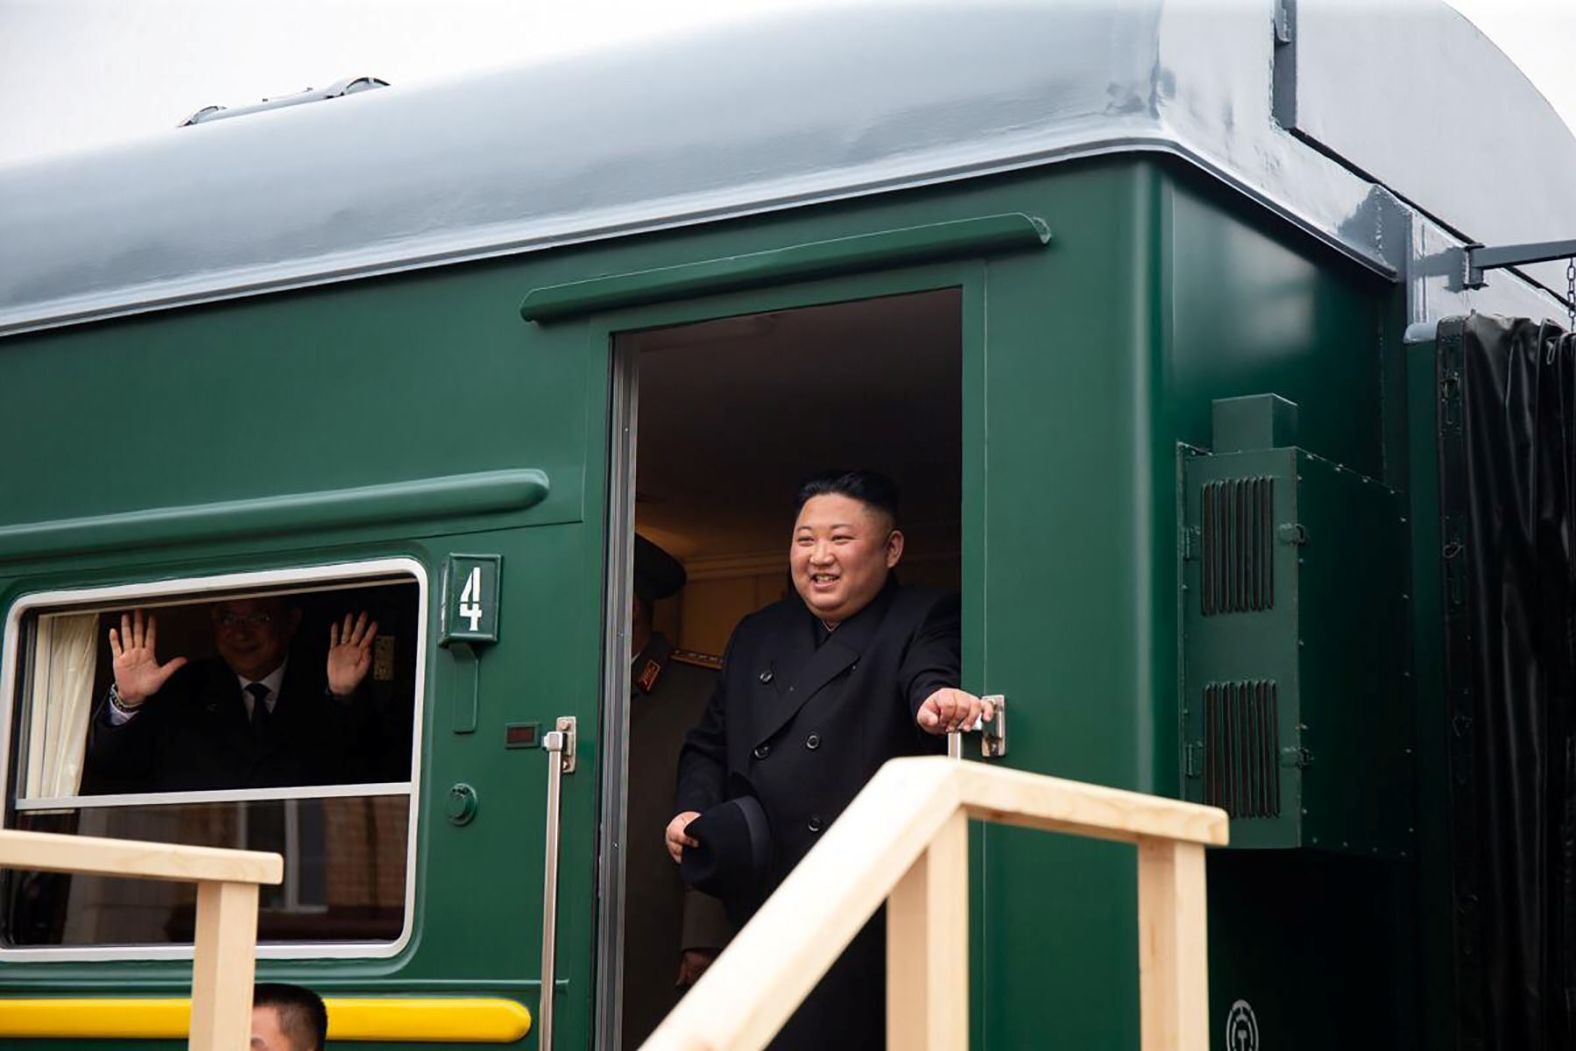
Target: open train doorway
[[728, 417]]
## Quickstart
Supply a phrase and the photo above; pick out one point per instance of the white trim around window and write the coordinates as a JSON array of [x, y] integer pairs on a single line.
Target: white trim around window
[[179, 591]]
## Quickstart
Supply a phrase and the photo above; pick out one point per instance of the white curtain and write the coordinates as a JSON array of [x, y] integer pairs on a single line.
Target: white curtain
[[60, 703]]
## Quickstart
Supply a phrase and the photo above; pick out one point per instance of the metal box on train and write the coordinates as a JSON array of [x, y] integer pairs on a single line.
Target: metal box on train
[[1295, 712]]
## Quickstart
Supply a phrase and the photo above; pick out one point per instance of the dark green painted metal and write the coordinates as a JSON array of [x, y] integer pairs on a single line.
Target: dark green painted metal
[[1333, 642], [1257, 646], [1240, 308], [490, 492], [1250, 311], [368, 384], [1435, 867], [1059, 581], [1309, 940], [1083, 370], [904, 247], [1359, 785], [1257, 421]]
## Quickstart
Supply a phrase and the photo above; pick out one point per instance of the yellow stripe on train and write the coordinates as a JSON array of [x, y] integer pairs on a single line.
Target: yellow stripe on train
[[481, 1020]]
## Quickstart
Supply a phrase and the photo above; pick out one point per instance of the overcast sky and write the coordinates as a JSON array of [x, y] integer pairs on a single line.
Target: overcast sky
[[79, 73]]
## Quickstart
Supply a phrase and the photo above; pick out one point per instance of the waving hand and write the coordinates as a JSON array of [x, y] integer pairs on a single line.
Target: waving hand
[[349, 653], [138, 673]]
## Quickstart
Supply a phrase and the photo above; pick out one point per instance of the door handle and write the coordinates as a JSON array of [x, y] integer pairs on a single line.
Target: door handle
[[993, 734], [559, 744]]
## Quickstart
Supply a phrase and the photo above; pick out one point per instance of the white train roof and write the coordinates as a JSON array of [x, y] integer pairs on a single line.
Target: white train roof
[[1409, 109]]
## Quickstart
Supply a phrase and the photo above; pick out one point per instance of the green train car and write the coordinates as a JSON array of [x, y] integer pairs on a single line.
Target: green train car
[[1140, 303]]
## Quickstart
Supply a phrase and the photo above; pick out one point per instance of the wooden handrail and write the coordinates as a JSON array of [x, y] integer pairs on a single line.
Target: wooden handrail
[[223, 956], [905, 839]]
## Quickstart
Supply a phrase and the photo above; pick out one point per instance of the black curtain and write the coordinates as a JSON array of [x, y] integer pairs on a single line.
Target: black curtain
[[1508, 497]]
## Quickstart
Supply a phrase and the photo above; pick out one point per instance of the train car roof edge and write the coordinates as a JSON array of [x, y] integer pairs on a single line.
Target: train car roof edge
[[784, 111]]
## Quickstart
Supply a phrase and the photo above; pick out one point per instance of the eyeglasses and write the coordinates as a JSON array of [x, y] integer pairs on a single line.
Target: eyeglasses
[[230, 621]]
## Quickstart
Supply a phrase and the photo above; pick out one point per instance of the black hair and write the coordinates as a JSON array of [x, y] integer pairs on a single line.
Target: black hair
[[871, 488], [302, 1016]]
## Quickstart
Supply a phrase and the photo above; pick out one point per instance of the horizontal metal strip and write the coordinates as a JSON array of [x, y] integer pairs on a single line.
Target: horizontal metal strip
[[170, 599], [240, 795], [411, 1019], [914, 244], [487, 492]]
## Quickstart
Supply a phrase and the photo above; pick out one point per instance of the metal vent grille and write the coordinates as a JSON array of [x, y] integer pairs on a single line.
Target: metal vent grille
[[1238, 542], [1242, 748]]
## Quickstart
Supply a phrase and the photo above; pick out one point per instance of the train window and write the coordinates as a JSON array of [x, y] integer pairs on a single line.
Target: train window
[[266, 712]]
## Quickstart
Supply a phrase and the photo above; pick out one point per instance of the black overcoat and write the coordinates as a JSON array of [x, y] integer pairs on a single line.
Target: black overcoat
[[805, 727]]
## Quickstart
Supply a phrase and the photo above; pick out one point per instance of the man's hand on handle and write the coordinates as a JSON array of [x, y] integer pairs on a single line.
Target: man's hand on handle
[[948, 709], [138, 673]]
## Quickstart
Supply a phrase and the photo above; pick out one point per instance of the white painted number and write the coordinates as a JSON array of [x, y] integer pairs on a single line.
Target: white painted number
[[471, 598]]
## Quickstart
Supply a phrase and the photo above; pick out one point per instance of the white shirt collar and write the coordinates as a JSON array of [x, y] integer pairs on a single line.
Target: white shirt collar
[[272, 680]]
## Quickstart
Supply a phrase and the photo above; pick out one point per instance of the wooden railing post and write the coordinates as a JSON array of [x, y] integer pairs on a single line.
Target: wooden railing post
[[223, 966], [1173, 978], [223, 956], [928, 947], [904, 840]]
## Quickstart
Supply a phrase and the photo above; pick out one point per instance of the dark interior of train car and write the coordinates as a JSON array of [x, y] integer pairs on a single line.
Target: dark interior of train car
[[735, 412], [732, 415]]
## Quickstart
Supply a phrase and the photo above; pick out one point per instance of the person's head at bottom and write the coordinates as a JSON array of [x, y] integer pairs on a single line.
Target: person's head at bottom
[[287, 1018]]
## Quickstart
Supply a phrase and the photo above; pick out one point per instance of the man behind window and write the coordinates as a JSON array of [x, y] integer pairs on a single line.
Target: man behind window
[[253, 718], [287, 1018]]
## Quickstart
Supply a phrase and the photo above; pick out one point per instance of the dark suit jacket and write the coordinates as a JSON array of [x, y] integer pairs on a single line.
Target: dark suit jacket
[[806, 728], [194, 735]]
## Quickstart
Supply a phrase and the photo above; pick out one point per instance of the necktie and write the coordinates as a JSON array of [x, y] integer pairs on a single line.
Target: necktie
[[260, 712]]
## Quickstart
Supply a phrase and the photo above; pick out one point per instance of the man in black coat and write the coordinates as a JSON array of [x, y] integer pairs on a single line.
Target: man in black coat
[[817, 692], [251, 719]]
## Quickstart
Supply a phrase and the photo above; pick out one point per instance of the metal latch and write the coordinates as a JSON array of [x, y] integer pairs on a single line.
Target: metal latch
[[562, 740], [993, 734], [993, 742]]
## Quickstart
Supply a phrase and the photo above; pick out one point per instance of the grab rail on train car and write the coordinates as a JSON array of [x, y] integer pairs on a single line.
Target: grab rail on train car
[[225, 949], [904, 840]]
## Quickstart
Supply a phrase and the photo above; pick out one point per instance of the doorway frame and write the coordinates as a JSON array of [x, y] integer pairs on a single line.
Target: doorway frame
[[602, 329]]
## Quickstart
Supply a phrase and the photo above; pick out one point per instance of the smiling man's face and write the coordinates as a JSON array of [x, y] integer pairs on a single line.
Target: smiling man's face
[[841, 554], [253, 635]]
